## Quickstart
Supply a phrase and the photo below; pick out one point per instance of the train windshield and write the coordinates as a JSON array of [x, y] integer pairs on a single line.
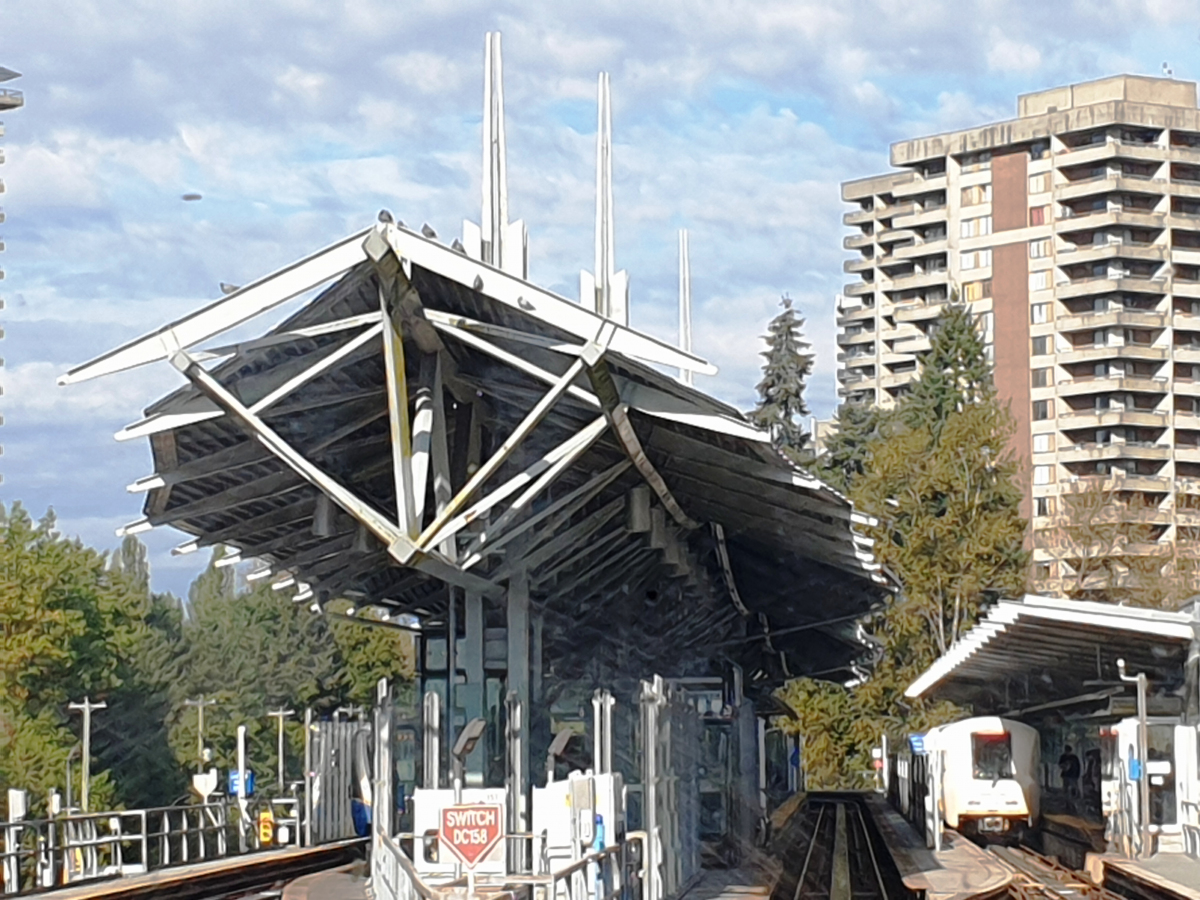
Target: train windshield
[[992, 756]]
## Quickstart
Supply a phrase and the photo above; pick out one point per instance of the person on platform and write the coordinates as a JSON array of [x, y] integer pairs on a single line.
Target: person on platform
[[1069, 768]]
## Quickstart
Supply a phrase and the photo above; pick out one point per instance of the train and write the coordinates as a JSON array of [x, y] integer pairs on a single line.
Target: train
[[981, 772]]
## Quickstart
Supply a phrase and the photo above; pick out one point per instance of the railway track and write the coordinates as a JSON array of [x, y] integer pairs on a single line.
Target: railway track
[[832, 853], [1042, 878]]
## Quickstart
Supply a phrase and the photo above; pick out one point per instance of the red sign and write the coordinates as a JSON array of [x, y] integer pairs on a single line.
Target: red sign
[[471, 831]]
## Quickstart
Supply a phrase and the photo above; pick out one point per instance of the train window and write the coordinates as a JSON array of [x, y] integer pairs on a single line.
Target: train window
[[992, 756]]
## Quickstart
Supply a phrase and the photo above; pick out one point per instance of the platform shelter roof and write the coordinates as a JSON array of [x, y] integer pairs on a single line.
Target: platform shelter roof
[[424, 420], [1040, 653]]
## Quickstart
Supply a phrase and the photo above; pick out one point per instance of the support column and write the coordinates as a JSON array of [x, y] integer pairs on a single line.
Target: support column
[[474, 692], [535, 656], [518, 685], [452, 699]]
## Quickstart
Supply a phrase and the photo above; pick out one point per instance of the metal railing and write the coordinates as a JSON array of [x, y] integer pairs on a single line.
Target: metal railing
[[42, 853]]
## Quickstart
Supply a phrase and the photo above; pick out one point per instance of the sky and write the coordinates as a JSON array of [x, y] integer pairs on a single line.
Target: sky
[[298, 120]]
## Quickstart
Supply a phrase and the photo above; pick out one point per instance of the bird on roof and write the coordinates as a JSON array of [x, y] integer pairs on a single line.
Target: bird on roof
[[227, 288], [428, 232], [385, 216]]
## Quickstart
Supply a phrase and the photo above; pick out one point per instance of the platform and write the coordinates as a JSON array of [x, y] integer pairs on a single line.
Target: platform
[[1071, 838], [343, 883], [1172, 875], [216, 875], [959, 871]]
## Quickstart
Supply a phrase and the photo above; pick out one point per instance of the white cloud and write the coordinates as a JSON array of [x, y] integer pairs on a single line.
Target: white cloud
[[1012, 56]]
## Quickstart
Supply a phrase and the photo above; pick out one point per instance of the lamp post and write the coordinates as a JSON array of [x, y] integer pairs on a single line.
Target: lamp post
[[86, 707], [280, 715], [199, 703], [1142, 751]]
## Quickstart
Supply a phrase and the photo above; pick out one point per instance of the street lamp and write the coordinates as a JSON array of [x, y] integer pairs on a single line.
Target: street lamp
[[200, 703], [86, 707], [466, 742]]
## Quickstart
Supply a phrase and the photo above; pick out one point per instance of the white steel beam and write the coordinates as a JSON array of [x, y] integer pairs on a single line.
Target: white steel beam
[[320, 367], [401, 429], [526, 497], [228, 312], [422, 436], [455, 524], [497, 459], [283, 337], [453, 320], [529, 299]]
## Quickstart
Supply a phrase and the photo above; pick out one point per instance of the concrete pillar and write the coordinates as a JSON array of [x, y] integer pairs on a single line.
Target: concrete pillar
[[518, 683], [535, 657], [473, 693]]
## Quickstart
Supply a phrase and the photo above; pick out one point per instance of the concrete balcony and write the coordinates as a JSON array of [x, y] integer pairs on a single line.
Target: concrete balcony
[[859, 217], [1185, 288], [1073, 420], [855, 266], [1187, 454], [857, 241], [1187, 517], [1187, 353], [1087, 253], [1093, 384], [1110, 149], [847, 339], [890, 236], [1090, 353], [919, 249], [1186, 388], [893, 380], [918, 217], [918, 280], [1134, 318], [1109, 184], [1189, 189], [1127, 450], [1084, 287], [1187, 420], [920, 186], [857, 314], [1120, 481], [1102, 218], [912, 345], [915, 311], [860, 289], [11, 99]]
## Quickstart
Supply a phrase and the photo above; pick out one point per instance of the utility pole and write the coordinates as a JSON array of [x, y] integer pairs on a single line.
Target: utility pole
[[86, 707], [281, 714], [1143, 741], [200, 703]]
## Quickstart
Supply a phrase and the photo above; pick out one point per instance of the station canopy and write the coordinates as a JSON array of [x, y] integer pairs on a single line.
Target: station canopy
[[423, 420], [1046, 656]]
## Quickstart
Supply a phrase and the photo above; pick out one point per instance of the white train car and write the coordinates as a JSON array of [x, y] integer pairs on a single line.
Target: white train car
[[987, 776]]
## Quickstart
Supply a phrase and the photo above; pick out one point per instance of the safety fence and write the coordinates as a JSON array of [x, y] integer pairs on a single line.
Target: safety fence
[[70, 848]]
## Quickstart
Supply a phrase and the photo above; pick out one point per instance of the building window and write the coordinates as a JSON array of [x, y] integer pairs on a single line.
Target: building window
[[976, 194], [975, 259], [1043, 443], [1043, 474], [1041, 377], [1041, 410], [977, 290], [1039, 249], [1039, 313], [1039, 184], [978, 227], [1043, 571], [1039, 281], [1041, 345], [1043, 506], [1039, 215]]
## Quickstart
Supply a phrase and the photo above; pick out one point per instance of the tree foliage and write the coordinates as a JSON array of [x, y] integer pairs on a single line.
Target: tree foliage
[[938, 478], [845, 458], [788, 363]]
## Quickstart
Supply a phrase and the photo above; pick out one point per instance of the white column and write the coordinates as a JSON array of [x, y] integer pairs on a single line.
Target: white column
[[474, 691]]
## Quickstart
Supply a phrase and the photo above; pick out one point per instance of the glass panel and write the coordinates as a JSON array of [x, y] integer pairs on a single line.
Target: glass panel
[[992, 756]]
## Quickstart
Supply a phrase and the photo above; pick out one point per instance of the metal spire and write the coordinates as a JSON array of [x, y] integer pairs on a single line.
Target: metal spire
[[685, 303], [605, 289], [495, 240]]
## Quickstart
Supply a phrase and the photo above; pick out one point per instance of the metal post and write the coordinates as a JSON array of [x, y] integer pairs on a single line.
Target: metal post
[[515, 777], [1142, 751], [518, 684], [199, 703], [280, 715], [431, 721], [242, 800], [308, 776], [86, 707], [473, 644], [451, 662]]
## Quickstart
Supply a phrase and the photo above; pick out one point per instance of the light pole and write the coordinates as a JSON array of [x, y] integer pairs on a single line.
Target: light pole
[[199, 703], [86, 707], [280, 715], [1143, 743]]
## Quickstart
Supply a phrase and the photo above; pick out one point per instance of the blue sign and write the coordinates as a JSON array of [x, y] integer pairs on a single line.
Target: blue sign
[[916, 743], [1135, 769], [794, 759], [235, 782]]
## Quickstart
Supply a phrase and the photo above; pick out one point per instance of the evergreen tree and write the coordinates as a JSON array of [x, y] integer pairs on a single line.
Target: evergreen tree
[[781, 390], [941, 484], [845, 457]]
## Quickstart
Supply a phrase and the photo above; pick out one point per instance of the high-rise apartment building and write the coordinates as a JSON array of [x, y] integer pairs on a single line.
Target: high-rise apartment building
[[9, 99], [1073, 231]]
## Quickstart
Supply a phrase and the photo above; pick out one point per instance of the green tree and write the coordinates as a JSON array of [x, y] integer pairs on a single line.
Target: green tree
[[845, 456], [781, 391], [370, 652], [941, 484]]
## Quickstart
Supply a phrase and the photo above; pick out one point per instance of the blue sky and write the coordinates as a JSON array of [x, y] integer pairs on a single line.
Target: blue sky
[[297, 120]]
